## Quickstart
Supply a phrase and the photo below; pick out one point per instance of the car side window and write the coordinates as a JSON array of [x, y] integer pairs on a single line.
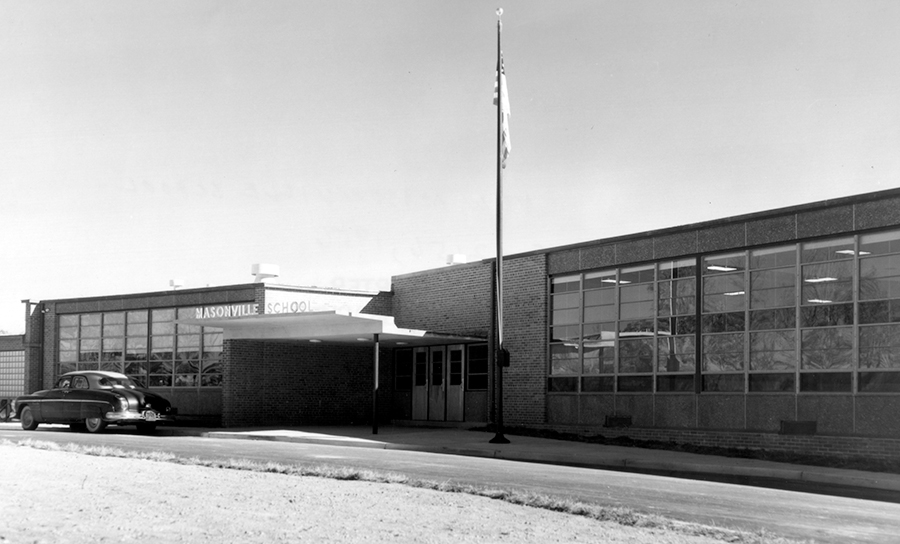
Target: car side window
[[63, 383], [79, 382]]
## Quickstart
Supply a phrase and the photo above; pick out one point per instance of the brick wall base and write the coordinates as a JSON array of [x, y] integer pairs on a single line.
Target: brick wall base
[[861, 447]]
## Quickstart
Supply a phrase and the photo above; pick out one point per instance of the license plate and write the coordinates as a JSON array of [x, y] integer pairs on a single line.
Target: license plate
[[150, 416]]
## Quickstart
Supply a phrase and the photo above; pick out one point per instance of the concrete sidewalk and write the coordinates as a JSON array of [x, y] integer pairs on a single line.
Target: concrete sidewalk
[[457, 441], [541, 450]]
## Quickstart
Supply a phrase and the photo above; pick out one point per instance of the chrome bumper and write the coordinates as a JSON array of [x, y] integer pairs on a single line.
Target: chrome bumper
[[133, 416]]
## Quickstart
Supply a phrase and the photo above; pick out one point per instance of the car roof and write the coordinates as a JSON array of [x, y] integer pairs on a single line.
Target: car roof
[[102, 373]]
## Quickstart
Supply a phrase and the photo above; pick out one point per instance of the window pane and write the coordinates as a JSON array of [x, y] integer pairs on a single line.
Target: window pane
[[826, 382], [113, 349], [565, 284], [163, 321], [114, 324], [828, 282], [879, 277], [683, 268], [136, 349], [724, 293], [773, 288], [90, 320], [637, 274], [562, 385], [68, 321], [828, 250], [678, 383], [565, 317], [676, 354], [723, 382], [826, 315], [89, 350], [635, 383], [879, 382], [723, 352], [773, 257], [599, 296], [676, 325], [731, 322], [565, 333], [594, 280], [775, 350], [593, 314], [596, 384], [879, 347], [827, 348], [880, 243], [564, 359], [759, 383], [723, 264], [880, 311], [781, 318], [138, 316], [636, 355]]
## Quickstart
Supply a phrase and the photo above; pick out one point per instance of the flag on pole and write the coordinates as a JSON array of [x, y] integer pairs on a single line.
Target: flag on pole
[[501, 92]]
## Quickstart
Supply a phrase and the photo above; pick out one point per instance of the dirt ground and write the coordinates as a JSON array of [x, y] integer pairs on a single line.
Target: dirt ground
[[63, 497]]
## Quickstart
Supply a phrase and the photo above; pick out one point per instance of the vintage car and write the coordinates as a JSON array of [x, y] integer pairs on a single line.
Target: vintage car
[[93, 399]]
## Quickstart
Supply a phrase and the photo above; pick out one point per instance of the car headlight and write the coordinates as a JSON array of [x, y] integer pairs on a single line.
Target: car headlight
[[123, 403]]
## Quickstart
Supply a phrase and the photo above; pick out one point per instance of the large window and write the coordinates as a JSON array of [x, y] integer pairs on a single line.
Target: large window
[[147, 345], [723, 322], [631, 329], [816, 317], [12, 374]]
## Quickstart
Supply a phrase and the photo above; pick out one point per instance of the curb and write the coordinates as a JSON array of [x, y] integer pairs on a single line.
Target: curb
[[808, 475]]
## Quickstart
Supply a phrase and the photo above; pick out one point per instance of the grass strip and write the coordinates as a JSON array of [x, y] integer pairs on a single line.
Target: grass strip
[[619, 515]]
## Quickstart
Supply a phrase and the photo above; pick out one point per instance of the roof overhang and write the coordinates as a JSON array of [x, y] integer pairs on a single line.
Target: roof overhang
[[326, 328]]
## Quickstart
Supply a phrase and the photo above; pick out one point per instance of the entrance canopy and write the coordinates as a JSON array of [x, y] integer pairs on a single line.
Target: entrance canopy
[[328, 327]]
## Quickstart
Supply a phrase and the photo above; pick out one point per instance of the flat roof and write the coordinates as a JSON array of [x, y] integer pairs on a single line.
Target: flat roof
[[329, 327]]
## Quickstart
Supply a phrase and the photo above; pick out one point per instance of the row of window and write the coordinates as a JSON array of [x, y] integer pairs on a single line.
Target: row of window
[[12, 374], [147, 345], [820, 316]]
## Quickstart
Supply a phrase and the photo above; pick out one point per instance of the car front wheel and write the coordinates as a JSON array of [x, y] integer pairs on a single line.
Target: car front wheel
[[94, 424], [27, 419]]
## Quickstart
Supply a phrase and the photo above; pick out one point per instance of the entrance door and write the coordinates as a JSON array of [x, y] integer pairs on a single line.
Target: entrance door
[[420, 384], [455, 383], [437, 385]]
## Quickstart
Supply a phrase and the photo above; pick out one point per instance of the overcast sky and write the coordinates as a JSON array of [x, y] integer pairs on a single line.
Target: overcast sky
[[350, 141]]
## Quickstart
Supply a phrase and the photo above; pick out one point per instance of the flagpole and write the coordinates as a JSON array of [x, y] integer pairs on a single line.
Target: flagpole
[[501, 360]]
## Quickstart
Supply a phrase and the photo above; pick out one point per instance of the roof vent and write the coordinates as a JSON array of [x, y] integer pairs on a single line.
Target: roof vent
[[264, 271]]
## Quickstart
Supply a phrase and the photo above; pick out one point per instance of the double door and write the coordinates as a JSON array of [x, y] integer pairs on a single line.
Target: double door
[[438, 383]]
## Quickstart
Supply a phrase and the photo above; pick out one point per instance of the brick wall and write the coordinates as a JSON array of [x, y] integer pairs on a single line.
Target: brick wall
[[825, 445], [525, 336], [455, 299], [12, 342], [381, 304], [270, 383]]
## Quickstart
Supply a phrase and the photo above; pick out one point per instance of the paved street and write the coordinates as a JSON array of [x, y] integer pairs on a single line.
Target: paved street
[[788, 513]]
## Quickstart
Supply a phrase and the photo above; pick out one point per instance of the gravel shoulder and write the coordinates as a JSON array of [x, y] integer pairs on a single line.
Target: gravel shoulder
[[56, 497]]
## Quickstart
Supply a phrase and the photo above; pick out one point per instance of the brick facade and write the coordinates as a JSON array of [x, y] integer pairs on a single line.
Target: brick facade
[[887, 449], [281, 383]]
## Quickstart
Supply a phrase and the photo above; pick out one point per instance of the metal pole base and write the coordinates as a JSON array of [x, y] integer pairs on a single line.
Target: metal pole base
[[499, 439]]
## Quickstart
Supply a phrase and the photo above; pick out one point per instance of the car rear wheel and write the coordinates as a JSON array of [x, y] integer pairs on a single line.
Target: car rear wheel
[[27, 419], [94, 424]]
